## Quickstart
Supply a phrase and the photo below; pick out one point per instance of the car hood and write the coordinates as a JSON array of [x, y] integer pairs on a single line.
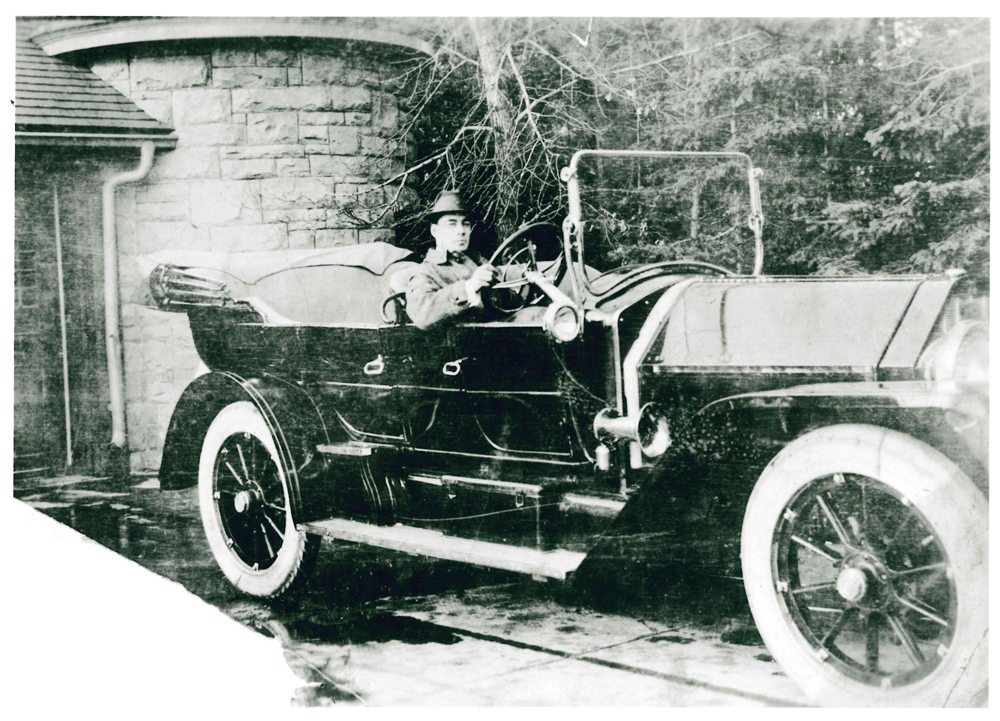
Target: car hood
[[857, 323]]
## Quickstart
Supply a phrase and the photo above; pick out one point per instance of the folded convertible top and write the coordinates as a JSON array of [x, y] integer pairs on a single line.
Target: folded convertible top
[[252, 267]]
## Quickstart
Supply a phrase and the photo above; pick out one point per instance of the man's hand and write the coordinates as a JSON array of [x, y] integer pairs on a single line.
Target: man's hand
[[484, 276]]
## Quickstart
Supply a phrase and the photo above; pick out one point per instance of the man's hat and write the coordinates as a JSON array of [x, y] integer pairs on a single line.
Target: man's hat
[[448, 202]]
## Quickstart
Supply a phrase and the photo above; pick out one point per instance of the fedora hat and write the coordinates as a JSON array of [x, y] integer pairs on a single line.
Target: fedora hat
[[448, 202]]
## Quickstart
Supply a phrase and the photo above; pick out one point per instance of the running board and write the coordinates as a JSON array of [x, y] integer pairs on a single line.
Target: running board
[[425, 542], [352, 448]]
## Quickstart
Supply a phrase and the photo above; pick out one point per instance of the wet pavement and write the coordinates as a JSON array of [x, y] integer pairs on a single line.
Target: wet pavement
[[376, 628]]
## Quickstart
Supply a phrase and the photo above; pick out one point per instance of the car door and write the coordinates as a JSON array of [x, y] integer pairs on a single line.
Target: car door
[[511, 374], [425, 373], [348, 363]]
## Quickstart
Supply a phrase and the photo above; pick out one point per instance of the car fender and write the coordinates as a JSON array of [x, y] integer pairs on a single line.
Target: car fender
[[293, 418], [952, 417], [944, 395], [688, 511]]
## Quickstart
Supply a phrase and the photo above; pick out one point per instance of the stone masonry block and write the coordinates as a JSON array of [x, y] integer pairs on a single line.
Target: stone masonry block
[[111, 70], [162, 193], [319, 133], [309, 218], [250, 78], [370, 235], [263, 100], [336, 236], [294, 76], [156, 236], [122, 86], [277, 58], [249, 238], [185, 164], [320, 69], [272, 128], [160, 331], [385, 110], [300, 239], [133, 285], [162, 211], [337, 218], [226, 202], [193, 107], [158, 108], [245, 169], [357, 119], [317, 148], [211, 134], [307, 225], [349, 98], [341, 167], [278, 193], [263, 151], [380, 168], [371, 145], [321, 118], [362, 195], [344, 141], [161, 391], [292, 167], [167, 73], [150, 460], [304, 98], [228, 58]]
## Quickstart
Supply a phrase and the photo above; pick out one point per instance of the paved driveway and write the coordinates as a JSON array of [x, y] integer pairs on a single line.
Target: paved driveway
[[384, 629]]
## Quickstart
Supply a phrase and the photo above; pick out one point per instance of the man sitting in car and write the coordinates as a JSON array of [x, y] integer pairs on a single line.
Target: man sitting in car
[[450, 281]]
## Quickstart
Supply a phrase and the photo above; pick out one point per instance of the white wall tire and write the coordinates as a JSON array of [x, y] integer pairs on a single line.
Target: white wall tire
[[788, 584], [245, 505]]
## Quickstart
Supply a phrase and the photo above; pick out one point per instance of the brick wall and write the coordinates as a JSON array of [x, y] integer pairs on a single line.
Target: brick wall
[[279, 147]]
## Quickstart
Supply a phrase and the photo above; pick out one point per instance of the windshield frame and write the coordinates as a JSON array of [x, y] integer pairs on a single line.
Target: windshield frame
[[573, 226]]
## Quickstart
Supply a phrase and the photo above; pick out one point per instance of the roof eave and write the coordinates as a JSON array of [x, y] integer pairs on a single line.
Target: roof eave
[[138, 30], [97, 140]]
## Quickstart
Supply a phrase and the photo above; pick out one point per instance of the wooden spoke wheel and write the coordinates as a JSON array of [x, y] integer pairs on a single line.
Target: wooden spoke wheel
[[864, 557], [246, 508]]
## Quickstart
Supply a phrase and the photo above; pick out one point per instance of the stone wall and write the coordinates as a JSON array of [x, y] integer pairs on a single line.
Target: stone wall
[[279, 147]]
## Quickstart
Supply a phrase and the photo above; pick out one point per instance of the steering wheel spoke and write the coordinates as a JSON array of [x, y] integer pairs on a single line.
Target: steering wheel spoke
[[536, 247]]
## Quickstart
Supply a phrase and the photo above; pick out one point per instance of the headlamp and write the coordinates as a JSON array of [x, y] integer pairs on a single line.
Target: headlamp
[[562, 322]]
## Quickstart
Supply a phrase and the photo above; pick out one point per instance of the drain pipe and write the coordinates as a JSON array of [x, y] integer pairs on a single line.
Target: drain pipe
[[116, 379], [62, 328]]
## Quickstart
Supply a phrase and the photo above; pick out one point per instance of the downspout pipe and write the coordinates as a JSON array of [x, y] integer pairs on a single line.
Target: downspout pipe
[[112, 330]]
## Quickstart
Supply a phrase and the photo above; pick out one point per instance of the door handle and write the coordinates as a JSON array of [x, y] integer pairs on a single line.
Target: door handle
[[453, 368], [375, 367]]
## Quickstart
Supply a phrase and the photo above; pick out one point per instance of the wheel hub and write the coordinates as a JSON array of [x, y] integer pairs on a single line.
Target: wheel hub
[[852, 584], [245, 499], [864, 580]]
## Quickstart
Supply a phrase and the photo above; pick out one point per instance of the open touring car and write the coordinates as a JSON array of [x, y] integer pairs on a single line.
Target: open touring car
[[823, 438]]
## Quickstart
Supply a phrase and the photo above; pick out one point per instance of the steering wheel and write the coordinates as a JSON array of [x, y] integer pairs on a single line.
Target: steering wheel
[[536, 247]]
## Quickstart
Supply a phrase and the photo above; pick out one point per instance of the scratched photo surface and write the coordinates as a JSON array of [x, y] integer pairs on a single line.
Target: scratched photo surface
[[503, 361]]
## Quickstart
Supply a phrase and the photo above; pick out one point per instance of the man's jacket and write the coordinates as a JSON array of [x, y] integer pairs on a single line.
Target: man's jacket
[[436, 289]]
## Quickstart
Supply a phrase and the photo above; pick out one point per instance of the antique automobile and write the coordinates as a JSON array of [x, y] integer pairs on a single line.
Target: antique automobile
[[822, 438]]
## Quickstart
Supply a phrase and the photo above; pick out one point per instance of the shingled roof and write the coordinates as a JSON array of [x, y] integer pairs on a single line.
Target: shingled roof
[[55, 97]]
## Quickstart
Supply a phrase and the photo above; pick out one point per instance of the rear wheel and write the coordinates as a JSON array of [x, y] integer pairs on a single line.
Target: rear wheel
[[865, 564], [246, 506]]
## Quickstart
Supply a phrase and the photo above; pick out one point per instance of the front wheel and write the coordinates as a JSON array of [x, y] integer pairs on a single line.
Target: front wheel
[[865, 563], [246, 506]]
